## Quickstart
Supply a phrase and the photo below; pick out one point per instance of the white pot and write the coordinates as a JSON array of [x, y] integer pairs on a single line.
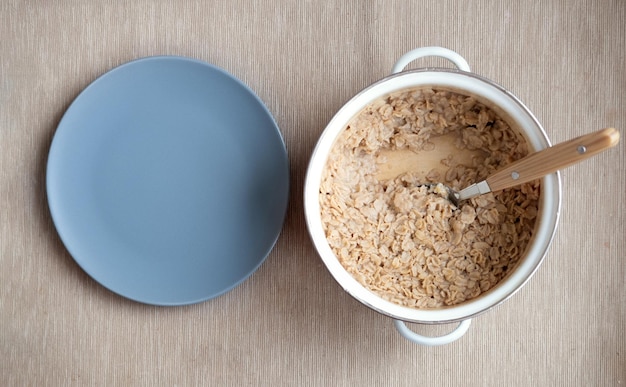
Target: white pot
[[493, 96]]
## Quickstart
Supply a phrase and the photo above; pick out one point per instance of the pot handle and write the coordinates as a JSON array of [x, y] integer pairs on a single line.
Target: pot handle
[[422, 52], [432, 341]]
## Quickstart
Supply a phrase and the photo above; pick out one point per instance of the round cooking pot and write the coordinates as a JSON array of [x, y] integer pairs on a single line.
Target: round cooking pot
[[507, 106]]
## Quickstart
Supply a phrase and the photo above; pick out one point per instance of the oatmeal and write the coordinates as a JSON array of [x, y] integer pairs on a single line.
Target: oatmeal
[[400, 237]]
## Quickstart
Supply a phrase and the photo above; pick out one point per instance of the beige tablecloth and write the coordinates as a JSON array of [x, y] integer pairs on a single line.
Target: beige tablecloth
[[290, 323]]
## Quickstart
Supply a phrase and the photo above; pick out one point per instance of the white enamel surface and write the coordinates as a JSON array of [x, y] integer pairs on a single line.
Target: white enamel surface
[[496, 97], [455, 334], [423, 52]]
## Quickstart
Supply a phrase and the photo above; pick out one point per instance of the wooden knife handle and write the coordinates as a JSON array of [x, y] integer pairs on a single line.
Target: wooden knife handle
[[552, 159]]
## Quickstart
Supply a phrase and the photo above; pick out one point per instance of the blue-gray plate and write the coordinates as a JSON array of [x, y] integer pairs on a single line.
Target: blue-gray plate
[[167, 181]]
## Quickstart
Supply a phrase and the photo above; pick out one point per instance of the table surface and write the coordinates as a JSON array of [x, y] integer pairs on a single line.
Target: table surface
[[290, 323]]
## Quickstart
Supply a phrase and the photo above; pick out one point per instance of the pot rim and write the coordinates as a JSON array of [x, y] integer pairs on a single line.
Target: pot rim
[[485, 91]]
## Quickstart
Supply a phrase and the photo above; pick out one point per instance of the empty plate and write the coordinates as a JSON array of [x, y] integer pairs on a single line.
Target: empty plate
[[168, 180]]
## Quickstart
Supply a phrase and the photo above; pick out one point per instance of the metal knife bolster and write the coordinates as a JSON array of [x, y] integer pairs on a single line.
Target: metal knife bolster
[[474, 190]]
